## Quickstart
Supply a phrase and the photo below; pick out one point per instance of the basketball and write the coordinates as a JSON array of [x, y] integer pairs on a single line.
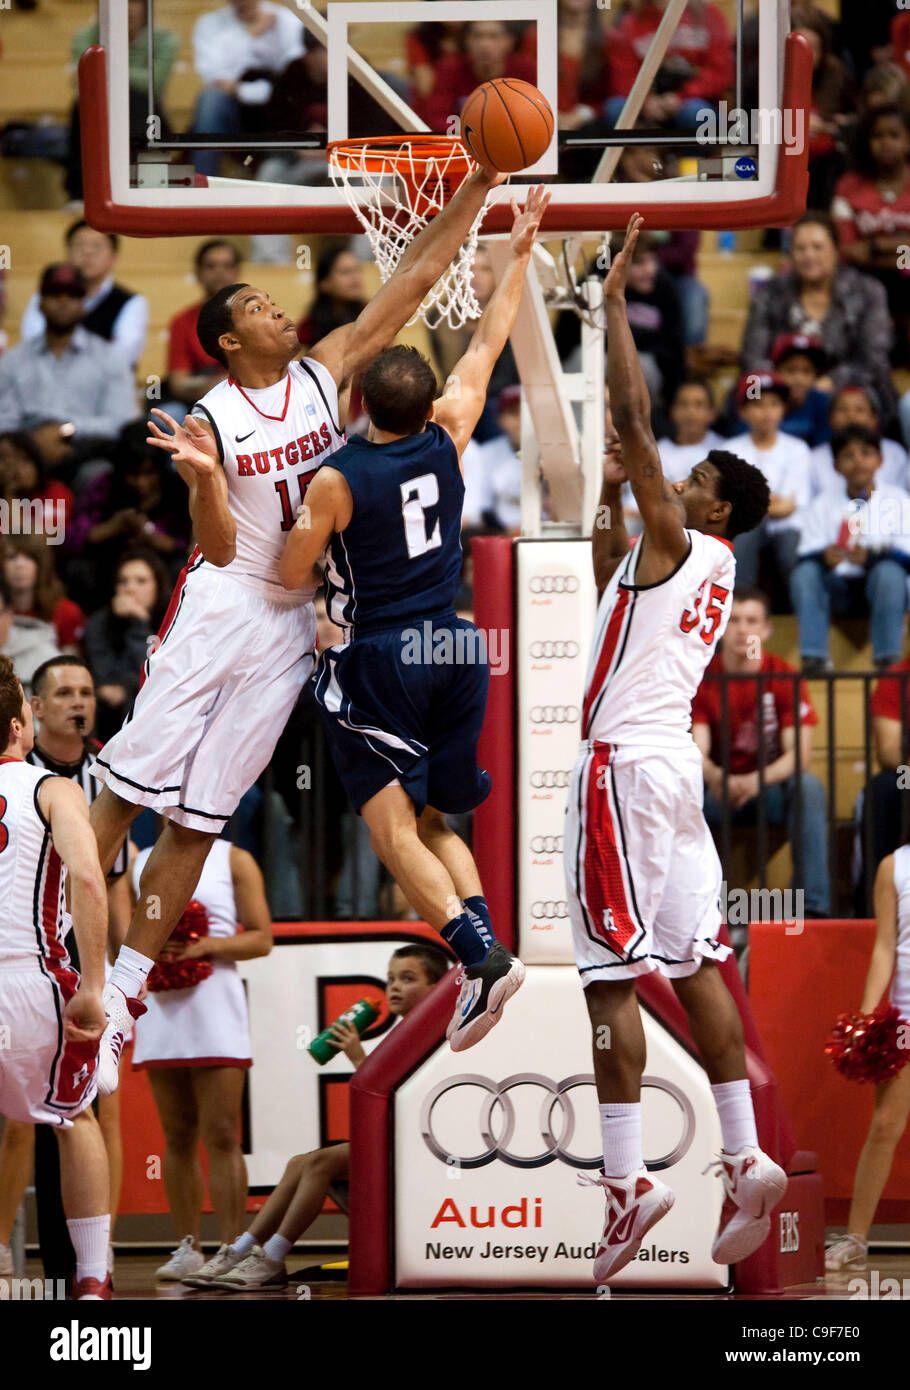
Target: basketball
[[506, 124]]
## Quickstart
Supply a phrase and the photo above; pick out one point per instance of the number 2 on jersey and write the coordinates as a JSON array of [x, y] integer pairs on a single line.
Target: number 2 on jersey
[[708, 613], [417, 496]]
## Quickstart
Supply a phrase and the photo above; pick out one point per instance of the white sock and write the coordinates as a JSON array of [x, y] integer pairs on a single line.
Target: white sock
[[130, 971], [277, 1247], [243, 1244], [737, 1115], [90, 1236], [621, 1128]]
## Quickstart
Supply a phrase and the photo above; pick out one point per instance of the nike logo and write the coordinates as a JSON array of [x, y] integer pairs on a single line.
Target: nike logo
[[239, 438], [623, 1228]]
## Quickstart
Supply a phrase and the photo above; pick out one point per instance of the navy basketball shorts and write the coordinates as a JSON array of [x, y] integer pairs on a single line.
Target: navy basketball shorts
[[407, 705]]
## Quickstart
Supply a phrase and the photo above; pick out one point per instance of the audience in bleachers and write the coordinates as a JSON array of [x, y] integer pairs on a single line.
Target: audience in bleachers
[[801, 362], [111, 311], [854, 554], [28, 642], [36, 588], [785, 462], [697, 69], [761, 724], [487, 49], [238, 52], [852, 405], [117, 636]]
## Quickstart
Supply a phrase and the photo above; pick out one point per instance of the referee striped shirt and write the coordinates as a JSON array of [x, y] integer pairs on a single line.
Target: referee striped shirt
[[78, 772]]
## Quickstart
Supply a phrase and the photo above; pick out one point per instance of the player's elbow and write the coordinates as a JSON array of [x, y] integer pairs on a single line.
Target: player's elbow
[[87, 886]]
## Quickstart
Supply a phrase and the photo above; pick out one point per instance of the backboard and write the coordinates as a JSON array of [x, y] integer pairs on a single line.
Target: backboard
[[740, 161]]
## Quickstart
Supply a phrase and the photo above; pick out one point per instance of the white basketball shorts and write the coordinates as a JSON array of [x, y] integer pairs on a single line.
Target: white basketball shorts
[[43, 1079], [216, 695], [642, 873]]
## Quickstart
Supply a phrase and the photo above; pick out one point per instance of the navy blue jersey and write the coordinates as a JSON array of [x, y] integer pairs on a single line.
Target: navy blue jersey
[[399, 558]]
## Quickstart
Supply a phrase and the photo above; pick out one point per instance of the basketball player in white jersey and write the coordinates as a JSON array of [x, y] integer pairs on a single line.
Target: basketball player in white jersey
[[643, 876], [52, 1020], [236, 647]]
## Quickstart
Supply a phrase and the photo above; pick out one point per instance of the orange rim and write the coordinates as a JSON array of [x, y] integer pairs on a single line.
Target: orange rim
[[376, 154]]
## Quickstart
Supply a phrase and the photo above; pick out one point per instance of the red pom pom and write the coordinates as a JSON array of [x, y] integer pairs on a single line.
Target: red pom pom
[[869, 1047], [183, 974]]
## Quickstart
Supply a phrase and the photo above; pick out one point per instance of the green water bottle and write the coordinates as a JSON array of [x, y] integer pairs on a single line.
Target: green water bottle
[[361, 1014]]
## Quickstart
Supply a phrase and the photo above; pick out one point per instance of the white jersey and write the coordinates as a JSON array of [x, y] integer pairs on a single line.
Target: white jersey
[[32, 875], [652, 644], [900, 985], [272, 440]]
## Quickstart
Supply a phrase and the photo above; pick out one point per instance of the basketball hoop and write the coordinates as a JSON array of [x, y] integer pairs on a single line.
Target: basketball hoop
[[396, 185]]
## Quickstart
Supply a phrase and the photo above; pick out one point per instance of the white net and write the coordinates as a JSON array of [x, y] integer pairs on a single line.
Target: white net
[[396, 189]]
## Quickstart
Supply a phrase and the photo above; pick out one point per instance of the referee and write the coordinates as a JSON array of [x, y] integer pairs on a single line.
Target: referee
[[63, 702]]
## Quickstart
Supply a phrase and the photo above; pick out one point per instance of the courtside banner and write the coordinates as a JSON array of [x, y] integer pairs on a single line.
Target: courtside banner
[[488, 1146], [315, 972], [556, 605]]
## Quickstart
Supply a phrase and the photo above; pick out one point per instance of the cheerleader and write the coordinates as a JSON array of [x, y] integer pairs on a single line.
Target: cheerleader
[[890, 957], [195, 1044]]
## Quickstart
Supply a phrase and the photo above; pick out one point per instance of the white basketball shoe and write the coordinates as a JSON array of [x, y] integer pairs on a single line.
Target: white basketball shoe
[[753, 1186], [634, 1205]]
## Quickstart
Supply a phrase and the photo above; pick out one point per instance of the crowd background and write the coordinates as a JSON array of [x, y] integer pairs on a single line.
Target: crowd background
[[791, 348]]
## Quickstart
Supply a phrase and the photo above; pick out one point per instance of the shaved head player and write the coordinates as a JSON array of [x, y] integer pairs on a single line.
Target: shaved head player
[[236, 648], [642, 873]]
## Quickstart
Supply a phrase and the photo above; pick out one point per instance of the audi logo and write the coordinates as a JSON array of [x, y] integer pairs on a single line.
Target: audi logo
[[546, 844], [554, 650], [540, 780], [554, 584], [498, 1102], [554, 714], [547, 910]]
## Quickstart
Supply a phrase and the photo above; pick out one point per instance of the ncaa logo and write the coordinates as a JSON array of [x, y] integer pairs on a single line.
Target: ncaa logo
[[546, 1108], [554, 584], [745, 167], [551, 651]]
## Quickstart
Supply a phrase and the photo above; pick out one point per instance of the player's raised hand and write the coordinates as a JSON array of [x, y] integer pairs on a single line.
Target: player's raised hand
[[84, 1018], [615, 283], [189, 443], [527, 220]]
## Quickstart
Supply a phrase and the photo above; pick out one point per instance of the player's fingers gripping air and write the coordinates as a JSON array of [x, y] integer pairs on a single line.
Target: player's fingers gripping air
[[616, 279], [189, 443], [527, 220]]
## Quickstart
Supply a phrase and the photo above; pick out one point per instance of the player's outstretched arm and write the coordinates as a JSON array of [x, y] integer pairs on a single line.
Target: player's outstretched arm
[[349, 350], [630, 407], [64, 807], [609, 537], [194, 450], [327, 509], [463, 399]]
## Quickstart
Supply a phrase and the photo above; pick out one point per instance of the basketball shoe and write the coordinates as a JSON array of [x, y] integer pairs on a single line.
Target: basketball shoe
[[223, 1260], [634, 1205], [184, 1261], [753, 1186], [845, 1252], [120, 1014], [256, 1271], [484, 990], [92, 1290]]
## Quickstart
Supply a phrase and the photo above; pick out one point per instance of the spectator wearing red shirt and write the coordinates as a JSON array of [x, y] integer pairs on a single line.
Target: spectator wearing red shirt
[[732, 783], [697, 70], [28, 568], [191, 372], [23, 478], [886, 792], [490, 48], [872, 209]]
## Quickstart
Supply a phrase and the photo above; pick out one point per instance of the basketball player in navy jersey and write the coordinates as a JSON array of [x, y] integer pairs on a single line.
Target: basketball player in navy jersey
[[236, 648], [402, 724]]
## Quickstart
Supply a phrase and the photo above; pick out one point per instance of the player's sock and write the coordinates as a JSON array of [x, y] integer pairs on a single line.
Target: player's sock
[[737, 1115], [480, 916], [465, 940], [90, 1235], [243, 1244], [130, 971], [620, 1124], [277, 1247]]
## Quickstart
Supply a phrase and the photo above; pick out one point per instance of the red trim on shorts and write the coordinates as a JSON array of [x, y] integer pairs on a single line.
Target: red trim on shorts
[[604, 887], [170, 614], [604, 660], [153, 1065], [50, 907], [76, 1065]]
